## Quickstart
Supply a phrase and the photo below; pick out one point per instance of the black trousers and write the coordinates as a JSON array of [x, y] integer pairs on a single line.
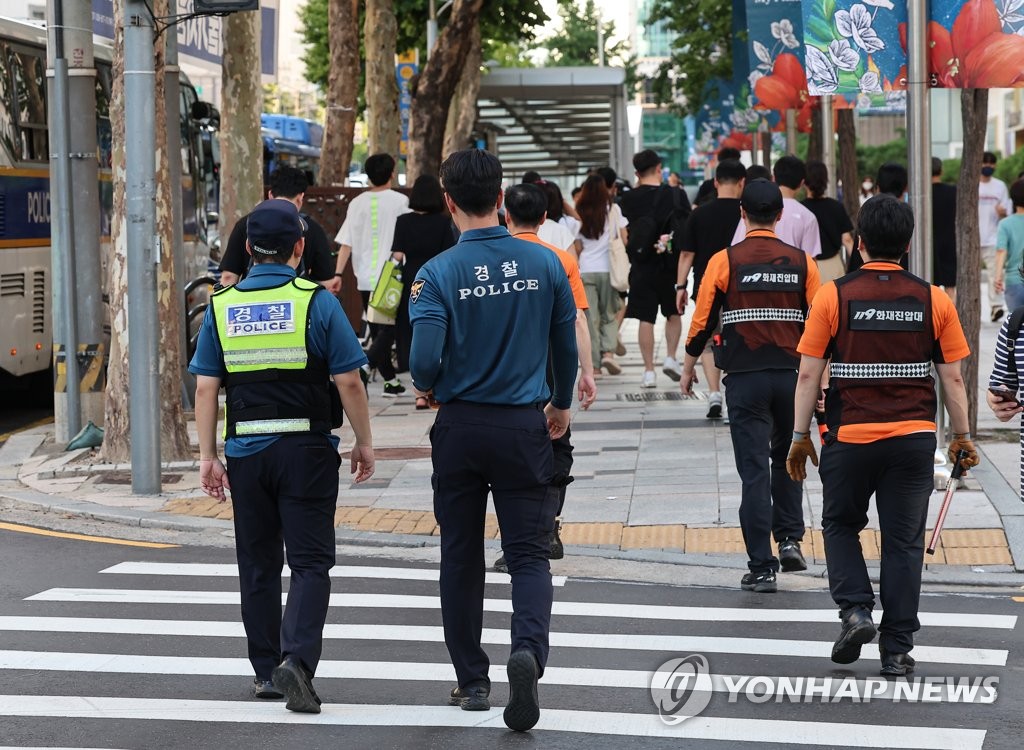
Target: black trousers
[[761, 425], [899, 472], [382, 341], [506, 451], [287, 493], [561, 467]]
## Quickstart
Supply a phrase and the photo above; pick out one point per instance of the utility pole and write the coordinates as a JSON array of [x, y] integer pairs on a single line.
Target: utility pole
[[600, 39], [143, 253], [434, 12], [919, 138], [828, 144]]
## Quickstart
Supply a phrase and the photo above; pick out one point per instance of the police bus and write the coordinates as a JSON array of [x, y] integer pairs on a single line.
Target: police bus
[[25, 267]]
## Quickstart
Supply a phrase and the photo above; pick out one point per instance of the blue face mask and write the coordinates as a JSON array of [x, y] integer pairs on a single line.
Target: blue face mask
[[988, 171]]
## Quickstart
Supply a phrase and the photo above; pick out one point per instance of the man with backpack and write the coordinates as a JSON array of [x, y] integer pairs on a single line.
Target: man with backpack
[[655, 212]]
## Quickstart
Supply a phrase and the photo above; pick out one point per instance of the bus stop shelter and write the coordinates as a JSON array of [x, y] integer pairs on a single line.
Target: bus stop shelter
[[557, 121]]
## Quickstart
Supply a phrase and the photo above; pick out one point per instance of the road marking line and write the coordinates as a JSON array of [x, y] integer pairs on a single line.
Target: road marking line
[[94, 663], [1018, 599], [84, 537], [559, 608], [228, 570], [494, 636], [761, 731]]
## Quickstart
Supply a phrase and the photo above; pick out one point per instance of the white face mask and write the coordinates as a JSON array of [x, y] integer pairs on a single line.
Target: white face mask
[[867, 186]]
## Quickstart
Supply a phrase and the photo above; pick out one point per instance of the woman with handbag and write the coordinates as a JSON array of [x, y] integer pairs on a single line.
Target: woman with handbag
[[602, 233]]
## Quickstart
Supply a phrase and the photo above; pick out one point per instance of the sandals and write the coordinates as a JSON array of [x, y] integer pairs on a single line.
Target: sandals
[[421, 403]]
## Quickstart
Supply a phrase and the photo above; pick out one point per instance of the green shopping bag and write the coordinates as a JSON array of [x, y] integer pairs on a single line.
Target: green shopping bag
[[387, 294]]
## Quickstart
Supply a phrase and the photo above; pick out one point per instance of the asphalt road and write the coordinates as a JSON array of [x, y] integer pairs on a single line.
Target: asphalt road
[[110, 646]]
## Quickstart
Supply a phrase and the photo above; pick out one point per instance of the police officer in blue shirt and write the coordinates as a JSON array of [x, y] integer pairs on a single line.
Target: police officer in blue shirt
[[275, 342], [485, 314]]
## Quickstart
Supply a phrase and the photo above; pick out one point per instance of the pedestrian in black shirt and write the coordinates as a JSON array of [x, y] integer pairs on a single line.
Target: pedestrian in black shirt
[[834, 225], [943, 231], [419, 236], [709, 229], [317, 263]]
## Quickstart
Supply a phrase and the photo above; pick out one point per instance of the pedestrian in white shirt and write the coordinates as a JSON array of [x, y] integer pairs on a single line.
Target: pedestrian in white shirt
[[798, 226], [993, 205]]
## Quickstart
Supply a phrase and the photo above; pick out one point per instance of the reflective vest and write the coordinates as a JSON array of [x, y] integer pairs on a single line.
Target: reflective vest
[[765, 306], [275, 385], [882, 351]]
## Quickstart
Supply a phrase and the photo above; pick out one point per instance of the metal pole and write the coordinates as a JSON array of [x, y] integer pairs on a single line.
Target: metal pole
[[63, 240], [790, 131], [431, 28], [143, 253], [919, 138], [828, 143], [600, 40]]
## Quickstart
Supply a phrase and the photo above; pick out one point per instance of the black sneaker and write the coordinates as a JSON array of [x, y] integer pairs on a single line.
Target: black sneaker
[[895, 665], [294, 681], [472, 698], [790, 557], [998, 314], [761, 583], [265, 689], [714, 409], [393, 389], [500, 565], [523, 709], [858, 629]]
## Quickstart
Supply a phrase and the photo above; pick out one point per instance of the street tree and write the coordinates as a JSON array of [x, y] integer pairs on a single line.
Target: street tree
[[974, 112], [575, 43], [380, 39], [174, 439], [434, 87], [241, 148]]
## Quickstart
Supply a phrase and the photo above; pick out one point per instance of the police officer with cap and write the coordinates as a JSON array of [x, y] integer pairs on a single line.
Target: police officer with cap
[[762, 288], [485, 314], [883, 329], [289, 360]]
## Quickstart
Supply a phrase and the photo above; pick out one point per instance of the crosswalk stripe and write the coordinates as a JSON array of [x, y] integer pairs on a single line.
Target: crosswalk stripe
[[559, 608], [761, 731], [394, 671], [495, 636], [217, 570]]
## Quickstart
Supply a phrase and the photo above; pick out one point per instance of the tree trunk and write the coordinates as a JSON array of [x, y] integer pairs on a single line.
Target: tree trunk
[[846, 162], [974, 109], [116, 444], [432, 94], [462, 115], [174, 439], [815, 137], [380, 37], [241, 148], [342, 91]]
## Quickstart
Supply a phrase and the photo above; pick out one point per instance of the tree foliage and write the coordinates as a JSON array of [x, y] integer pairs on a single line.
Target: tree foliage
[[701, 52], [575, 42]]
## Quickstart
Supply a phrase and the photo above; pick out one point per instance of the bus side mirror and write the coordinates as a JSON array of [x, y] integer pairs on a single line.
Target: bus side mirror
[[206, 111]]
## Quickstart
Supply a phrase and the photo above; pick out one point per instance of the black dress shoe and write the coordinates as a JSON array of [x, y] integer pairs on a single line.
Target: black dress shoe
[[523, 710], [265, 689], [790, 557], [472, 698], [858, 629], [296, 683], [761, 583], [895, 664], [500, 565]]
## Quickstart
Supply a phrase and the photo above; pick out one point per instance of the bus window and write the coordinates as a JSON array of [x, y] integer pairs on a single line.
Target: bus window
[[30, 82]]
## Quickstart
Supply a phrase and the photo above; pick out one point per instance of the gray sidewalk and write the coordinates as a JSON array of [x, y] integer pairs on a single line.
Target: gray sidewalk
[[654, 478]]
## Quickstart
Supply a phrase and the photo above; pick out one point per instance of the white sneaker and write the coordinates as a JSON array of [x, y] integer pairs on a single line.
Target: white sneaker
[[714, 405], [672, 368], [650, 379]]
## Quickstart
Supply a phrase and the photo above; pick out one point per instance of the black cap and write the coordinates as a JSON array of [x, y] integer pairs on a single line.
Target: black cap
[[761, 197], [274, 225]]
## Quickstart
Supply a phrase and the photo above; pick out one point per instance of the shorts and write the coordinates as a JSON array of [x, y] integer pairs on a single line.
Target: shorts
[[650, 289]]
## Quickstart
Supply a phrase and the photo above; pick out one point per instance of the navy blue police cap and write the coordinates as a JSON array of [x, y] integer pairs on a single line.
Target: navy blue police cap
[[274, 225], [761, 197]]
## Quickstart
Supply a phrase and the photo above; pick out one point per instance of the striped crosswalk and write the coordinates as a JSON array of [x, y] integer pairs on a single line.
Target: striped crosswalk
[[384, 645]]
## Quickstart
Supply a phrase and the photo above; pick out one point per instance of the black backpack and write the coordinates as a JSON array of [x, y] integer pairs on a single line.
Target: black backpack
[[644, 231]]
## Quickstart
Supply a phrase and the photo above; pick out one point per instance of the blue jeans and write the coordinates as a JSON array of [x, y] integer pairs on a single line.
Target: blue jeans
[[1014, 296]]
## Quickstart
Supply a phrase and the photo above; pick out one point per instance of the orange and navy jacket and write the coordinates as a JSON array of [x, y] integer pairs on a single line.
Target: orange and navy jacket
[[761, 288], [882, 327]]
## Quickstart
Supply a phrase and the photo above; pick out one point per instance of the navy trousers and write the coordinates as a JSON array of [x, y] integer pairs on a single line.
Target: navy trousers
[[761, 426], [507, 451], [287, 493], [899, 473]]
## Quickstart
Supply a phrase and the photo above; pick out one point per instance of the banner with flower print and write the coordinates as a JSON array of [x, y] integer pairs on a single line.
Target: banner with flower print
[[976, 43], [852, 48], [777, 81]]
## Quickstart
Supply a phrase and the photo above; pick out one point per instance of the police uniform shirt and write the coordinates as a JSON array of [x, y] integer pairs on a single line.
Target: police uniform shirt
[[499, 300], [329, 336]]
